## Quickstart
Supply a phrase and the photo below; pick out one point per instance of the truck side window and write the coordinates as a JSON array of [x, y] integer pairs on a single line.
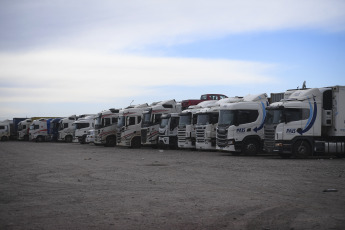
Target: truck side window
[[131, 120], [293, 115], [247, 116]]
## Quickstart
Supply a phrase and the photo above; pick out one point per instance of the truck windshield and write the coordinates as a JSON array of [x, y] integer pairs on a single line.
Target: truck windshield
[[226, 117], [33, 127], [164, 122], [81, 125], [274, 116], [121, 122], [203, 119], [146, 119], [98, 122], [185, 119]]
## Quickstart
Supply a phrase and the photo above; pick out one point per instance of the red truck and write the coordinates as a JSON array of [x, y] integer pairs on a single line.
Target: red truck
[[204, 97]]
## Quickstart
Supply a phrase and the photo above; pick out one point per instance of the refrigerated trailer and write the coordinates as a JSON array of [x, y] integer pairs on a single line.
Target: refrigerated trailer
[[310, 122]]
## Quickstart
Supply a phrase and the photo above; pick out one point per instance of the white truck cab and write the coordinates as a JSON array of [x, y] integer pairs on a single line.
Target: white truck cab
[[82, 126], [207, 121], [106, 127], [168, 130], [240, 125], [23, 130], [187, 122], [5, 130], [129, 126], [39, 130], [310, 122], [66, 131], [151, 119]]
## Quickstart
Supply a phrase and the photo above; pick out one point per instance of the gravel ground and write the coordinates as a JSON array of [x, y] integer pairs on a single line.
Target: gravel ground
[[73, 186]]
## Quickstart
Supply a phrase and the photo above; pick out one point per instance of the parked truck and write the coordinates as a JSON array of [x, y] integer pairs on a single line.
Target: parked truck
[[106, 127], [207, 121], [240, 125], [129, 126], [39, 130], [205, 97], [151, 119], [187, 122], [54, 129], [66, 131], [23, 129], [310, 122], [168, 130], [9, 128], [82, 126]]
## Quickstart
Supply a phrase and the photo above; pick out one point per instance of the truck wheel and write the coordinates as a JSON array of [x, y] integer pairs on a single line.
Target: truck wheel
[[110, 142], [301, 149], [4, 138], [39, 139], [136, 143], [68, 139], [26, 138], [250, 147]]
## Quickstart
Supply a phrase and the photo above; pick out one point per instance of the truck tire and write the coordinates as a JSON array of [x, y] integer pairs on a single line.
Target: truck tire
[[4, 138], [250, 147], [136, 143], [26, 138], [110, 141], [68, 139], [301, 149], [39, 139]]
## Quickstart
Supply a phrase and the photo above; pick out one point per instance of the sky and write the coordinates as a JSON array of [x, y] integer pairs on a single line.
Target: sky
[[59, 58]]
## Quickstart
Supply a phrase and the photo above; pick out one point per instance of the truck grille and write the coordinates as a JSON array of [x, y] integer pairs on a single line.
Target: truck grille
[[269, 138], [181, 134], [200, 134], [222, 140], [143, 135], [118, 137]]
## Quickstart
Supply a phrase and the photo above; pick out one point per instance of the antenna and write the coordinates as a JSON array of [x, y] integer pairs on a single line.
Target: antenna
[[304, 85], [131, 103]]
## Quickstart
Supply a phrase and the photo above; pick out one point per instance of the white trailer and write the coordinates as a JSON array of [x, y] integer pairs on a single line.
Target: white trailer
[[129, 126], [187, 122], [81, 127], [240, 125], [207, 121], [310, 122], [168, 130], [151, 119], [66, 131], [106, 127]]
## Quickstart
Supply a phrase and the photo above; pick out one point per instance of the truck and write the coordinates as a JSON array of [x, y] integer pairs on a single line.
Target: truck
[[168, 131], [8, 129], [39, 130], [129, 126], [82, 126], [23, 129], [205, 97], [106, 127], [310, 122], [206, 125], [54, 129], [240, 125], [151, 119], [66, 131], [187, 122]]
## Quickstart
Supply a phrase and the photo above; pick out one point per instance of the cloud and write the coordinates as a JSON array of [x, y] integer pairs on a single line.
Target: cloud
[[121, 25], [58, 76]]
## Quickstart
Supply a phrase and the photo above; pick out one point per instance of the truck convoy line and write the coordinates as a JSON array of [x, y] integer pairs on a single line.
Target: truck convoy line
[[300, 123]]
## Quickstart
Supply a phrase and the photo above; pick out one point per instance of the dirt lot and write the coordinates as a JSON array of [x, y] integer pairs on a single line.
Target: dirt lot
[[73, 186]]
